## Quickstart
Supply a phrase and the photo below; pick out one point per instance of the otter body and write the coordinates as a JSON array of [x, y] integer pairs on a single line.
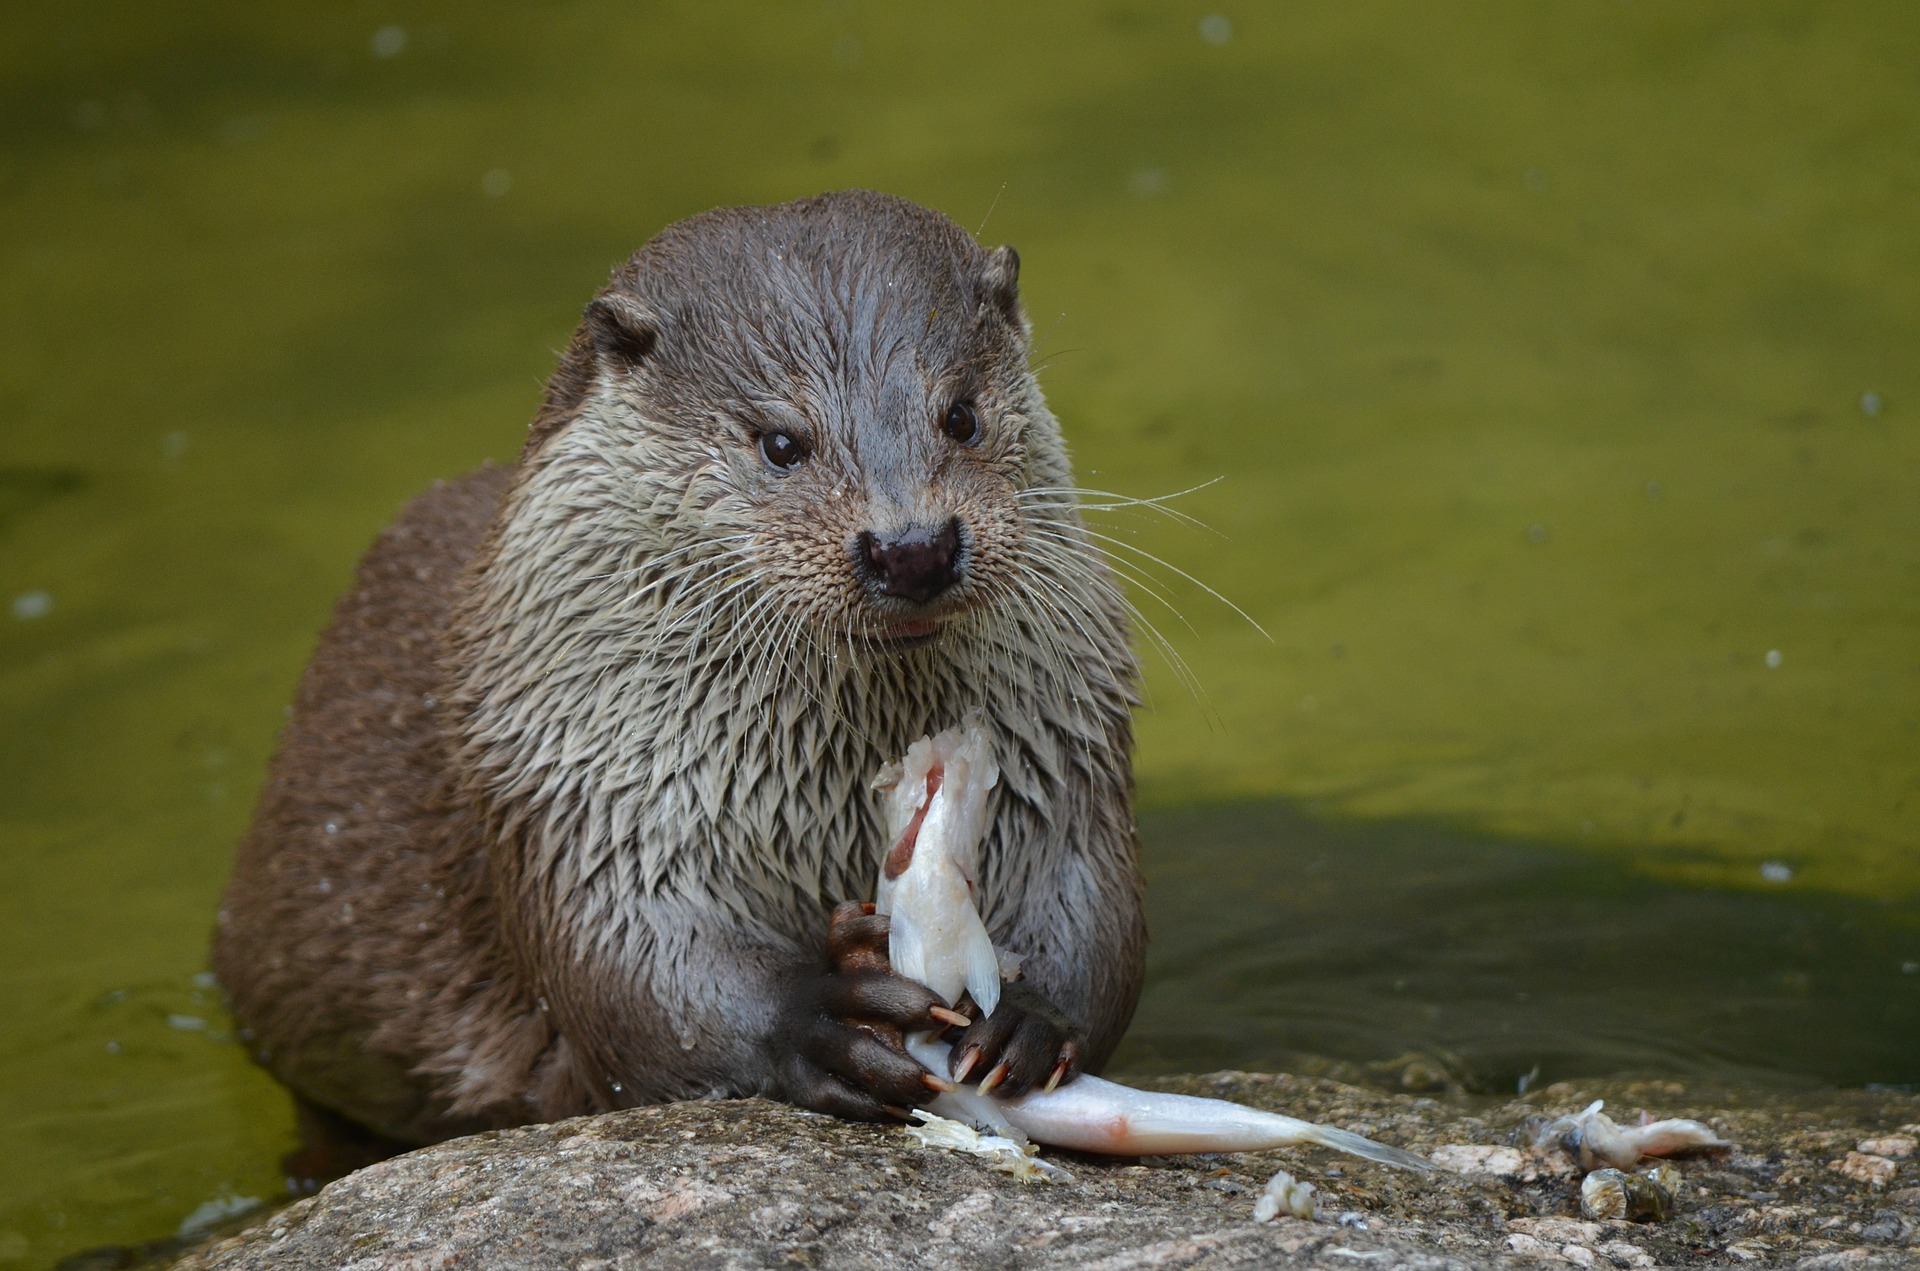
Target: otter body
[[584, 760]]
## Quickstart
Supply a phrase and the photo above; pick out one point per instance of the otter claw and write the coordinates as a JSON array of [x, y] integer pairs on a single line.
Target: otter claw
[[939, 1085], [1054, 1078], [946, 1016], [966, 1063], [993, 1078]]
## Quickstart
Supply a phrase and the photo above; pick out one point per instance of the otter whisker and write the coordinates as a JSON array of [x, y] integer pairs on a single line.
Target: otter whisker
[[653, 560], [822, 687], [784, 632], [758, 653], [601, 625], [711, 607], [1149, 556], [761, 655], [1110, 652], [1073, 615], [1082, 542], [665, 588], [1152, 503], [1056, 659], [686, 628], [1078, 566], [1145, 582], [718, 563]]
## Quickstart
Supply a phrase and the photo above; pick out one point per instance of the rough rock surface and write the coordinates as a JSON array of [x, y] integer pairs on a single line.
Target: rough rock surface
[[756, 1184]]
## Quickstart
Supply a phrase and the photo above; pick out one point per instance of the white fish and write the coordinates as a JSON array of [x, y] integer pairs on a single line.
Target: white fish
[[1592, 1139], [936, 804]]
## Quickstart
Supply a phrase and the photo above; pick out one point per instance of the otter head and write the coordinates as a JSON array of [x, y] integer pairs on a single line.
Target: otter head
[[831, 394]]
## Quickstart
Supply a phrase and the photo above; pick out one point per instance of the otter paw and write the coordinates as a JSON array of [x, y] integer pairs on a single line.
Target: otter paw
[[1025, 1044], [840, 1048]]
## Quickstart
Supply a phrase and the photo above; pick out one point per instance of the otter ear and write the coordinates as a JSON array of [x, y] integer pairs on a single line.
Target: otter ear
[[623, 330], [1000, 284]]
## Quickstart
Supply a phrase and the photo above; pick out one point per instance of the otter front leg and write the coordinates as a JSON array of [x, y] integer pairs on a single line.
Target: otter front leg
[[839, 1046]]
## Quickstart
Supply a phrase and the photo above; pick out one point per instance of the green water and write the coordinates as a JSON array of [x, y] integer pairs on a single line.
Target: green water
[[1560, 362]]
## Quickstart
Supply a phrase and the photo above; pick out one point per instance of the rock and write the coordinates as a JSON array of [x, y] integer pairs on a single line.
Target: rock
[[1479, 1158], [752, 1184], [1896, 1146], [1862, 1167]]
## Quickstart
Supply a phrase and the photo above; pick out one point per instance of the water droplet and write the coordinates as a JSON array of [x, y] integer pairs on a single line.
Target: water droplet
[[1777, 872], [1216, 28], [186, 1023], [29, 605], [1773, 659], [1871, 405], [496, 183]]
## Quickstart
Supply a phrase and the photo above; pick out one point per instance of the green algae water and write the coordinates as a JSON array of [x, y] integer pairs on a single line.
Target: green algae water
[[1558, 363]]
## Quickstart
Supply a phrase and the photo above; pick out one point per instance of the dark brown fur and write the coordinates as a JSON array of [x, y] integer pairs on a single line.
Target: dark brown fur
[[358, 940]]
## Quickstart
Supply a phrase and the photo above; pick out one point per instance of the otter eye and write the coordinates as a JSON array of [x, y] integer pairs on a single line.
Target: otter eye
[[962, 422], [782, 450]]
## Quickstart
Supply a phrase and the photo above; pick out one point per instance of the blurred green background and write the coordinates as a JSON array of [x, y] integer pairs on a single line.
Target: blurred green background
[[1559, 361]]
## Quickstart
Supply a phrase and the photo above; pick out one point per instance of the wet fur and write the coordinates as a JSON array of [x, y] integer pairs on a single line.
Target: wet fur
[[594, 734]]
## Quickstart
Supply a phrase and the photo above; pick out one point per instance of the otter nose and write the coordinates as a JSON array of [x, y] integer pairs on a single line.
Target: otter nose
[[917, 564]]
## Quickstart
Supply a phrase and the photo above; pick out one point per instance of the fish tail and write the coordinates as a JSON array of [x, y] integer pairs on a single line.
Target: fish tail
[[1359, 1145]]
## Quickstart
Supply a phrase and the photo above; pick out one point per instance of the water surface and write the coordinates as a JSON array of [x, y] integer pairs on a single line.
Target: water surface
[[1559, 361], [1419, 957]]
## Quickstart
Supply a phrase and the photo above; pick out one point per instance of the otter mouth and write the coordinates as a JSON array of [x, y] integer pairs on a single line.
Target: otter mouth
[[908, 633]]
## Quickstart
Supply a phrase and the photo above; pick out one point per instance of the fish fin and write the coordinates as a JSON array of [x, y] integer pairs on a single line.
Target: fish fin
[[906, 948], [1359, 1145], [983, 968]]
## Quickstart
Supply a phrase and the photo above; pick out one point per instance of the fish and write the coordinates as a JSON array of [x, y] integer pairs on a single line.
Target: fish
[[936, 803], [1592, 1139]]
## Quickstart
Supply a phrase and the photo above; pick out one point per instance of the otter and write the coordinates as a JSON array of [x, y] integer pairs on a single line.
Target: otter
[[580, 769]]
